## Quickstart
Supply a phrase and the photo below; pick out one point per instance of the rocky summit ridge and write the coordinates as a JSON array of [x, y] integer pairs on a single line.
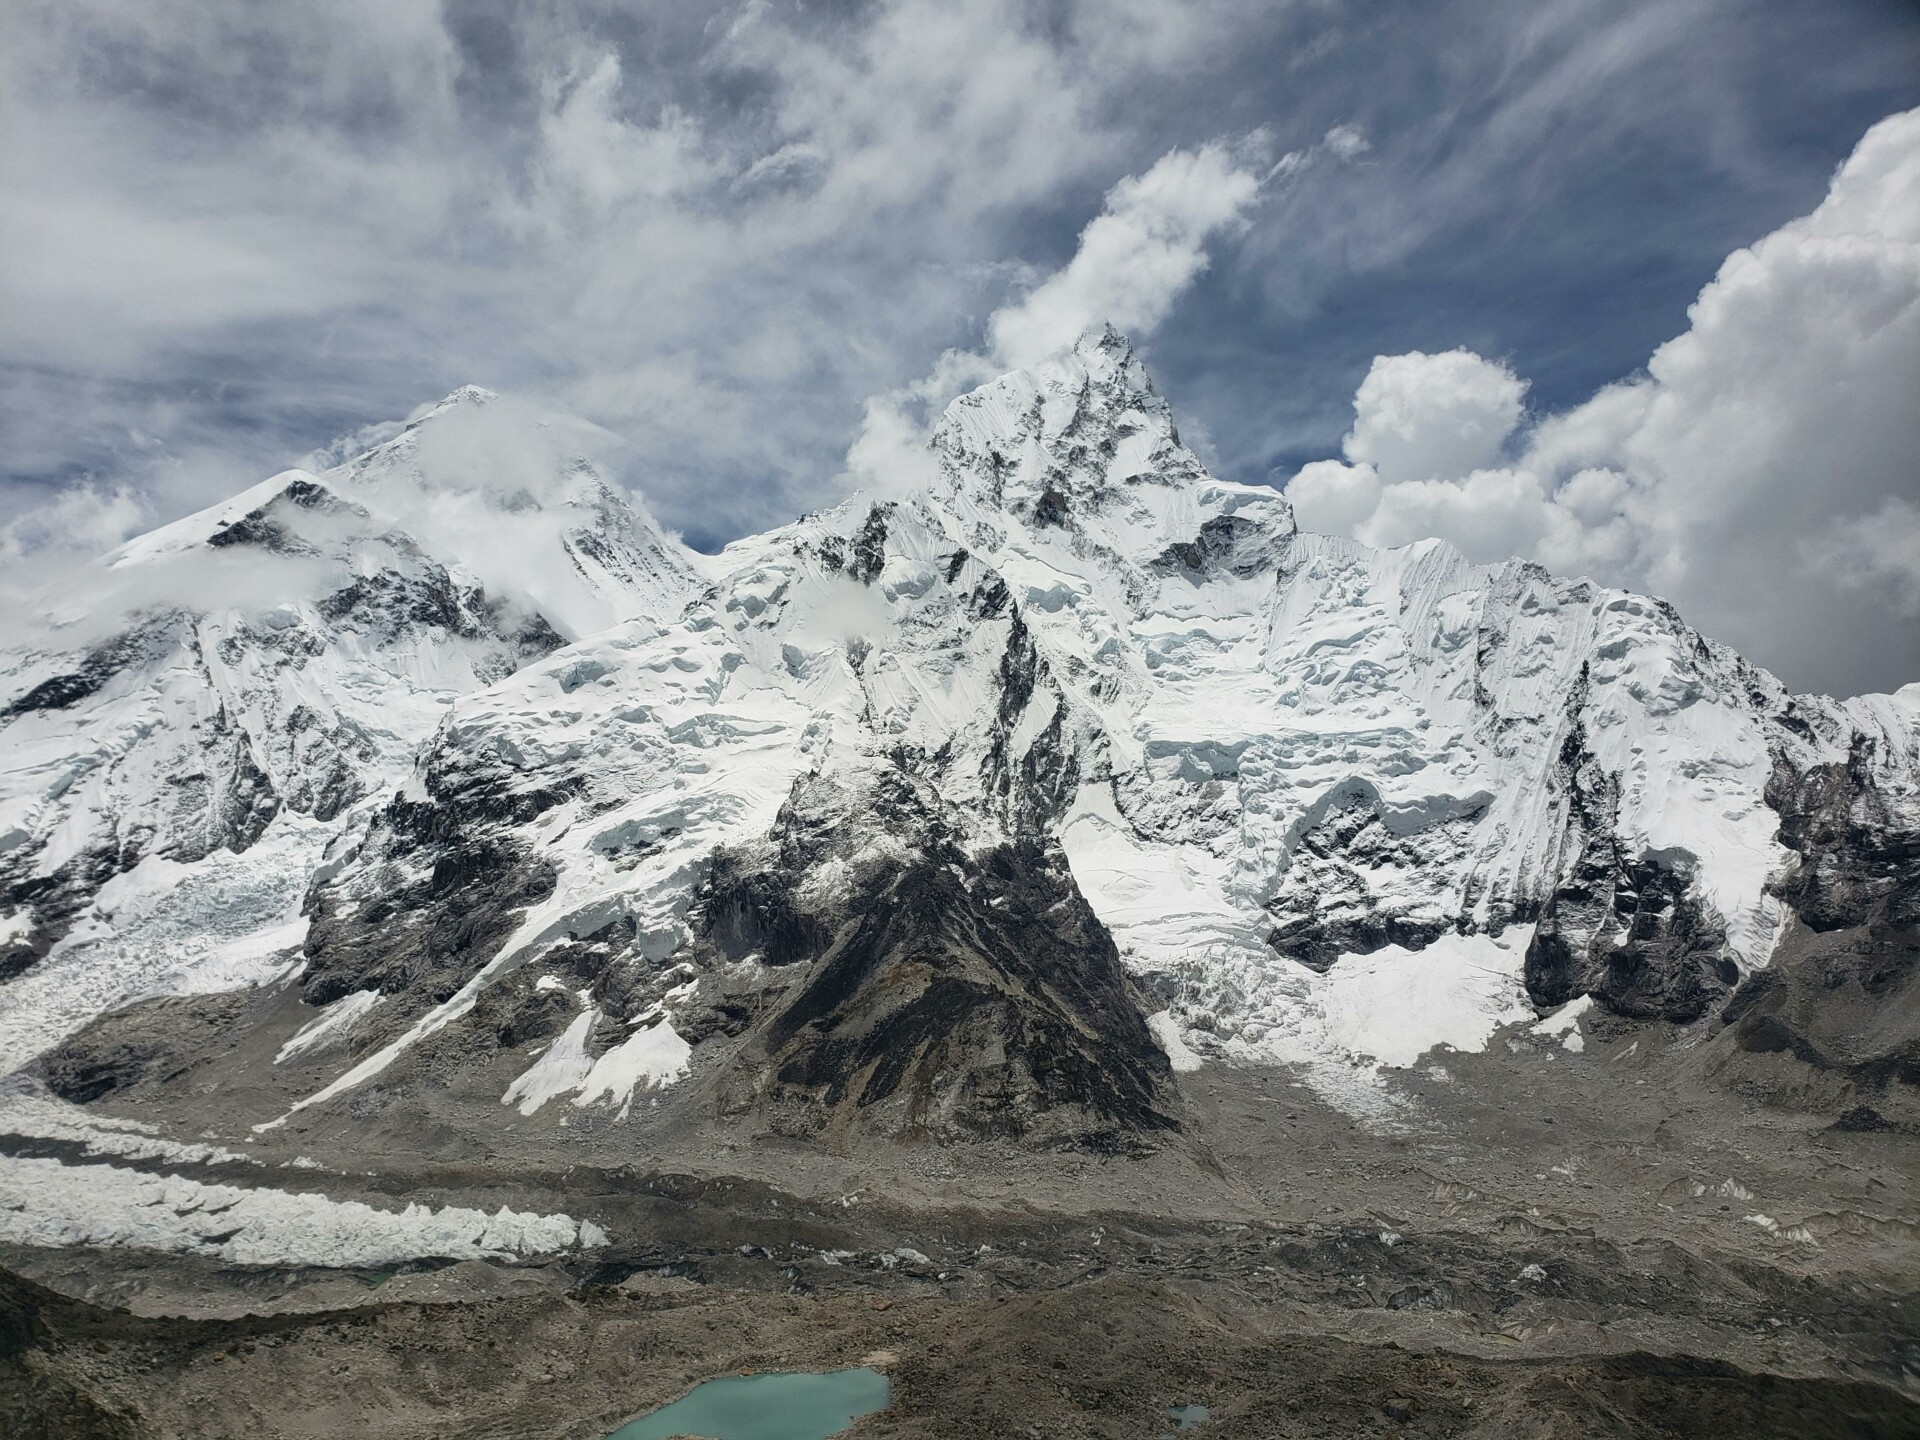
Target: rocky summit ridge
[[964, 813]]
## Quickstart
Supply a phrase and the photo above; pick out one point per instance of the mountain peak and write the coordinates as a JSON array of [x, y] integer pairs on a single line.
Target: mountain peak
[[1074, 432], [1102, 348], [463, 395], [525, 497]]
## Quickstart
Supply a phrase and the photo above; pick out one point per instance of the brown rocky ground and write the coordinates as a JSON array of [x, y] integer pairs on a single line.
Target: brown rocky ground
[[1669, 1232], [1103, 1358]]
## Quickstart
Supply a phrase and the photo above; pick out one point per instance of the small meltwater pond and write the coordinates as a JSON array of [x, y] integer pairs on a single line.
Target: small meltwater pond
[[766, 1407]]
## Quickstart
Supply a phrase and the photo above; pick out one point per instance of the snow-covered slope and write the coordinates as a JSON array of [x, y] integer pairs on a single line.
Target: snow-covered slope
[[1309, 752], [184, 735], [957, 812]]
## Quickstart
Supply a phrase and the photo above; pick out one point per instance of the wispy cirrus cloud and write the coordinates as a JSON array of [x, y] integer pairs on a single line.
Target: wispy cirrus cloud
[[236, 231]]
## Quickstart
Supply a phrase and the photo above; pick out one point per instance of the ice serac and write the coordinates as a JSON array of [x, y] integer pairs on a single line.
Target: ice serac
[[232, 692], [903, 818]]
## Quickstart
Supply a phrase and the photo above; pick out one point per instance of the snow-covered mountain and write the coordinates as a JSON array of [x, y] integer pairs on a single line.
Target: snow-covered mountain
[[223, 695], [970, 811]]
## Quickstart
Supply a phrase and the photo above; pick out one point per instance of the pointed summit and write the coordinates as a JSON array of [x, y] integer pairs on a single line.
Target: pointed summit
[[1084, 443], [523, 496], [1073, 432]]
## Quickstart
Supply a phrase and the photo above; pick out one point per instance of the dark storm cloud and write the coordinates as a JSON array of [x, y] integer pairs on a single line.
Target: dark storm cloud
[[235, 232]]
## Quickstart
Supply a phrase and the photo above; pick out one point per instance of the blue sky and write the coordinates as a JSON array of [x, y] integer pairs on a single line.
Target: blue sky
[[241, 232]]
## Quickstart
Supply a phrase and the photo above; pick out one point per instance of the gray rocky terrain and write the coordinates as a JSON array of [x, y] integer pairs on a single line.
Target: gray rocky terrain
[[1623, 1240]]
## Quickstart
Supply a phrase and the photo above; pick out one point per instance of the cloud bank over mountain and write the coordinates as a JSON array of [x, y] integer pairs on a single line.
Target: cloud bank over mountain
[[1761, 473]]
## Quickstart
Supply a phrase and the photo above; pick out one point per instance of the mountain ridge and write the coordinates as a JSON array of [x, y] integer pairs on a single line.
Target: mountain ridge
[[1291, 800]]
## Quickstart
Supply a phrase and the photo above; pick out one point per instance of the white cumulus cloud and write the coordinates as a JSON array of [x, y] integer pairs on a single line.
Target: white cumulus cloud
[[1133, 261], [1135, 258], [1761, 474]]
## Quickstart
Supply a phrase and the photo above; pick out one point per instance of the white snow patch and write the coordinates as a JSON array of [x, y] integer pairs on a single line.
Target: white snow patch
[[560, 1070], [1565, 1023], [43, 1202], [656, 1056], [332, 1024], [1180, 1055], [1394, 1005]]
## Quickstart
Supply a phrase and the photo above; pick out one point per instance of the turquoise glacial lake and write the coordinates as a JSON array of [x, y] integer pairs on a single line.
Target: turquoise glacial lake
[[766, 1407]]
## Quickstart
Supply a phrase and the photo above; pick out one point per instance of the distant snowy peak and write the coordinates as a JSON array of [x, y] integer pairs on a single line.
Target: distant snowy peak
[[261, 515], [1081, 436], [507, 498], [276, 658], [1082, 425], [520, 497], [1070, 478]]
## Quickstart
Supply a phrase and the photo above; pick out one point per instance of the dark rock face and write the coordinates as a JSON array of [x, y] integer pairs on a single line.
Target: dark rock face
[[749, 911], [439, 885], [151, 1040], [1848, 1003], [1330, 910], [950, 996], [1622, 926], [1628, 933], [230, 790], [1038, 788], [519, 1014], [326, 776], [1858, 865], [1319, 944], [54, 901], [862, 555], [1226, 542], [389, 605], [1831, 1027], [39, 1401], [267, 526], [1843, 996], [64, 690], [141, 643]]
